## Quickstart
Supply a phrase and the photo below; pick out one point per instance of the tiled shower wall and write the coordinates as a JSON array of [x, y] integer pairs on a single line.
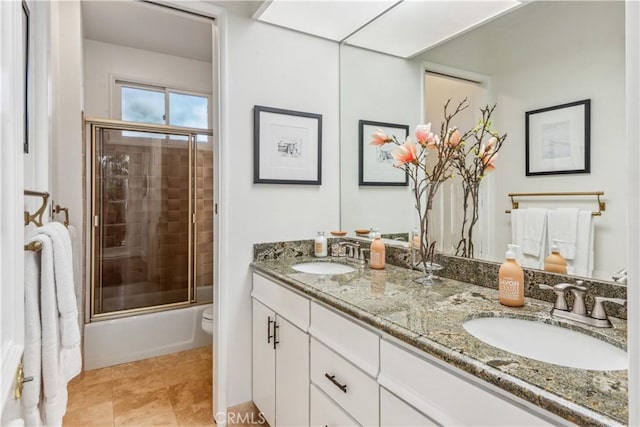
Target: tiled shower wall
[[204, 218], [146, 220]]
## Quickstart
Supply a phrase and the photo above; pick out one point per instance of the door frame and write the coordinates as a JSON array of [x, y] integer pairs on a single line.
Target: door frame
[[11, 203]]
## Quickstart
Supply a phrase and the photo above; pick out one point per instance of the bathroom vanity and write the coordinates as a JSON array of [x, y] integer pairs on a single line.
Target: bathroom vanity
[[374, 348]]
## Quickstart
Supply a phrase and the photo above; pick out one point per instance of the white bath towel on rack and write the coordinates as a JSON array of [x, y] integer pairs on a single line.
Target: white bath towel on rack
[[54, 401], [564, 227], [32, 359], [518, 221], [66, 302], [535, 232], [581, 263]]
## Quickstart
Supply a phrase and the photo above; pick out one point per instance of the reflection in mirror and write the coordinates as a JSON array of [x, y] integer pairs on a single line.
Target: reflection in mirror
[[540, 55]]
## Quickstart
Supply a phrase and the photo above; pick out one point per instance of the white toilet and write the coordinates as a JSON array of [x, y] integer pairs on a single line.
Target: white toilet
[[207, 320]]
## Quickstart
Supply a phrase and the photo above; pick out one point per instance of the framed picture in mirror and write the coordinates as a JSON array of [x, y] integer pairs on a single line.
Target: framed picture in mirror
[[558, 139], [287, 146], [376, 162]]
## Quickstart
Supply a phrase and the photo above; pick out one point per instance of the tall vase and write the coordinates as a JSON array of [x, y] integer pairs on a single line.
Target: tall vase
[[470, 197], [424, 252]]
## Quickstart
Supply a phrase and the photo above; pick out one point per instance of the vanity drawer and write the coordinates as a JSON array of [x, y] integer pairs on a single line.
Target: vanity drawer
[[397, 413], [446, 397], [355, 343], [325, 413], [288, 304], [348, 386]]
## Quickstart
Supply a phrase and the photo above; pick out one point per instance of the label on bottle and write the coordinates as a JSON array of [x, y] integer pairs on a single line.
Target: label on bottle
[[375, 258], [509, 288], [318, 247]]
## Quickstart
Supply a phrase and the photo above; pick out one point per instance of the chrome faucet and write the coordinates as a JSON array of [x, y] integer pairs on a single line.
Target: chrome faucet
[[578, 312], [354, 252]]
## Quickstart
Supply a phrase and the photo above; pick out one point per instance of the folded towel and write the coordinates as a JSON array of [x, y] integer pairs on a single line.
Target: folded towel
[[53, 385], [518, 219], [583, 262], [566, 231], [535, 229], [32, 358], [66, 301]]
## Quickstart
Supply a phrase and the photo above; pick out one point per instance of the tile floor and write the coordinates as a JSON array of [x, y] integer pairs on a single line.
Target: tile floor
[[171, 390]]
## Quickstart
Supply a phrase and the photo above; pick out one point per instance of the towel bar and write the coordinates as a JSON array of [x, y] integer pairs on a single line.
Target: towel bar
[[36, 217], [33, 246], [57, 209], [601, 205]]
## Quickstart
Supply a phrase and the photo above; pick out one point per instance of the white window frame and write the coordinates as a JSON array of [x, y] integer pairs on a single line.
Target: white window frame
[[117, 82]]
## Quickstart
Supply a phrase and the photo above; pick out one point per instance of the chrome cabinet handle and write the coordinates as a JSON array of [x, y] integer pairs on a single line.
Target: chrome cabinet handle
[[332, 378]]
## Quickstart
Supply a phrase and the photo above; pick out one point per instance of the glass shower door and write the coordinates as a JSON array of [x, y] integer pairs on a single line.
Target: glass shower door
[[143, 190]]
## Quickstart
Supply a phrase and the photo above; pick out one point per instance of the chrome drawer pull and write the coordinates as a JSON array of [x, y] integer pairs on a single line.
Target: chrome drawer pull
[[332, 378]]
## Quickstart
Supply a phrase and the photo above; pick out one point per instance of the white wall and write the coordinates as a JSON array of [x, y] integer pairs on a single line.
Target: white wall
[[381, 88], [67, 81], [544, 59], [104, 60], [273, 67]]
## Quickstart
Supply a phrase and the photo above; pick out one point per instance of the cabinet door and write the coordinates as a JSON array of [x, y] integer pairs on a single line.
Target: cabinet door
[[264, 361], [292, 375], [326, 413], [396, 412]]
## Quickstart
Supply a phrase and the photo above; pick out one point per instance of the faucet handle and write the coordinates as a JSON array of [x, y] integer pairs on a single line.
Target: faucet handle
[[599, 312], [561, 300], [570, 286], [579, 307]]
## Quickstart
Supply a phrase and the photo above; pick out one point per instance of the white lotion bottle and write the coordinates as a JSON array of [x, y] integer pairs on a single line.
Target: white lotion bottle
[[320, 246]]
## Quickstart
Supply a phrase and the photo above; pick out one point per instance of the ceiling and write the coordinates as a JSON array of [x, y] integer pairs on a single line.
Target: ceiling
[[150, 27], [404, 28]]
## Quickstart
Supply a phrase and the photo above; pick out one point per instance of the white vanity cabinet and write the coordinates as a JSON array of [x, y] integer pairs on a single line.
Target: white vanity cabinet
[[344, 364], [280, 353], [314, 365], [444, 396]]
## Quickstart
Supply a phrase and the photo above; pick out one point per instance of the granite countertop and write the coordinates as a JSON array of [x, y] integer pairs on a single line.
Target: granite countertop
[[430, 318]]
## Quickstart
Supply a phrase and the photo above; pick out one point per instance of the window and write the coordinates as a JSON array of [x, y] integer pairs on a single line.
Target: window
[[160, 105]]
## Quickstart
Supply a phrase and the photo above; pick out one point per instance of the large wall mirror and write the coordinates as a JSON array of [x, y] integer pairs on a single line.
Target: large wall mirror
[[538, 55]]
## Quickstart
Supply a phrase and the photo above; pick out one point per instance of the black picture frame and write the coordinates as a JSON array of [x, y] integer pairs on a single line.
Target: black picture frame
[[375, 164], [558, 139], [26, 31], [287, 146]]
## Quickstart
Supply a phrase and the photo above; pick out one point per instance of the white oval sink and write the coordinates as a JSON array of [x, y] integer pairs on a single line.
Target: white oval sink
[[548, 343], [322, 268]]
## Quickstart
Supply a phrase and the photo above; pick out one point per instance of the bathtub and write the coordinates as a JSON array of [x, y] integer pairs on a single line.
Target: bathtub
[[112, 342]]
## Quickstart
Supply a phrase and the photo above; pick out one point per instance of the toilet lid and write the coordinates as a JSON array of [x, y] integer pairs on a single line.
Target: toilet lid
[[208, 313]]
